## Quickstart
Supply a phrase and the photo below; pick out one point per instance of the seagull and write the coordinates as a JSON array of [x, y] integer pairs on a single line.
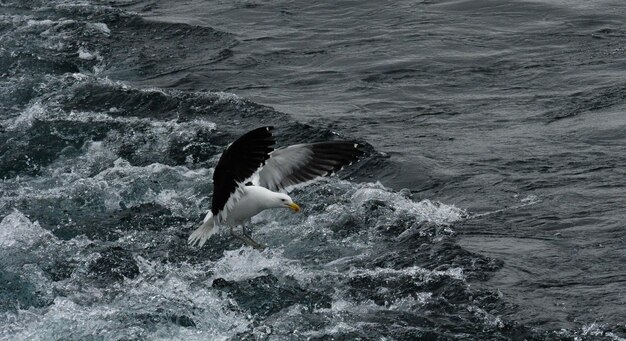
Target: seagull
[[251, 175]]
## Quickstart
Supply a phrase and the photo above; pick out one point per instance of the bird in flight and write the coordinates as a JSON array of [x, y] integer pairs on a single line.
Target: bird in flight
[[251, 175]]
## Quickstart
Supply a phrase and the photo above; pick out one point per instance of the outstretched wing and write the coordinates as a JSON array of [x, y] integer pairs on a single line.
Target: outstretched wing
[[240, 161], [305, 162]]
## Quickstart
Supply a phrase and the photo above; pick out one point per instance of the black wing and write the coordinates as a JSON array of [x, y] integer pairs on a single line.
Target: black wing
[[305, 162], [239, 162]]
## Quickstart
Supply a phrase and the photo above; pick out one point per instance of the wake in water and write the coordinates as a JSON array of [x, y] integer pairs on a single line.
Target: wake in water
[[95, 226], [105, 175]]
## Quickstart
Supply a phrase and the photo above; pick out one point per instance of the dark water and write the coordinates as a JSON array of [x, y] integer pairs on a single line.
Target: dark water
[[490, 205]]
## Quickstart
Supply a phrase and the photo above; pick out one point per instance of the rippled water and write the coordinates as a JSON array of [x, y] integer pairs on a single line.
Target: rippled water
[[489, 205]]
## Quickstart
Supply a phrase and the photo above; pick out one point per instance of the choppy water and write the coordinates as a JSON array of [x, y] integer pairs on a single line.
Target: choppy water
[[490, 205]]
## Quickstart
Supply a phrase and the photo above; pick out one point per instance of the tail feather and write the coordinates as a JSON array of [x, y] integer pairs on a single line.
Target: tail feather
[[202, 233]]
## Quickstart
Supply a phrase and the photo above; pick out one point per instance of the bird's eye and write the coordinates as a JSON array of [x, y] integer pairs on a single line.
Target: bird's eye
[[282, 199]]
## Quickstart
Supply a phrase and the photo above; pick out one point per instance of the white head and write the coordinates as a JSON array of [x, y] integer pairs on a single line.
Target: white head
[[283, 200]]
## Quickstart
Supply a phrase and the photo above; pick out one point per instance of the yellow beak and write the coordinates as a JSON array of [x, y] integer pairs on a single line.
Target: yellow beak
[[294, 207]]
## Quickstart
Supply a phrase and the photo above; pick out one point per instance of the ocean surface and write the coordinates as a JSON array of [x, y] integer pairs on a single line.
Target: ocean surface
[[490, 204]]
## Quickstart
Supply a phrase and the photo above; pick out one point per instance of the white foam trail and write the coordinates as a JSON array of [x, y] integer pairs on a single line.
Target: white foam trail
[[32, 22], [366, 207], [529, 200], [113, 182], [83, 53], [163, 302], [424, 210], [247, 263], [412, 271], [102, 27], [487, 318], [26, 118], [16, 230]]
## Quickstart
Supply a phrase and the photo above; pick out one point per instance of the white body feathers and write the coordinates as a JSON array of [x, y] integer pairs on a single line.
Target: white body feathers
[[253, 200]]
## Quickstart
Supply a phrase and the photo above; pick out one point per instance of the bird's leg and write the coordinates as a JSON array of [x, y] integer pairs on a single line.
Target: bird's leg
[[246, 229], [247, 240]]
